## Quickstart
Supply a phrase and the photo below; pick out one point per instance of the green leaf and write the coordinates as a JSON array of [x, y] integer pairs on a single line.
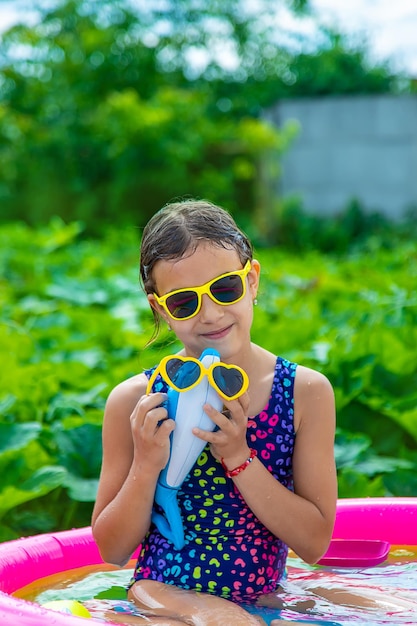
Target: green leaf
[[349, 448], [16, 436], [381, 465], [79, 450], [81, 489], [6, 403], [45, 479], [68, 290], [41, 483], [352, 484]]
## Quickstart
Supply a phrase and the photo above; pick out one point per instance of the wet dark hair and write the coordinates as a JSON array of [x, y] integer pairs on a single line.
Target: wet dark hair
[[178, 228]]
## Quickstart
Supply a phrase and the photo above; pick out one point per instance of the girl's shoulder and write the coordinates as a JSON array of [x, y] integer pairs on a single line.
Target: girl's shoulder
[[128, 392], [308, 379], [313, 395]]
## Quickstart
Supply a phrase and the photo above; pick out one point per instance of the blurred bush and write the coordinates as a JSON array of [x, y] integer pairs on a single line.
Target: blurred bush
[[107, 113]]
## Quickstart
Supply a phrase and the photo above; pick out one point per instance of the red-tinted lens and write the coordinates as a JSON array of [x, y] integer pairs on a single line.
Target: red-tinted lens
[[227, 289], [182, 304]]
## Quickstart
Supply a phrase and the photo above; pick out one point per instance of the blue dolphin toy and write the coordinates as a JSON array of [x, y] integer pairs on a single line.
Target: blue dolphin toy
[[186, 408]]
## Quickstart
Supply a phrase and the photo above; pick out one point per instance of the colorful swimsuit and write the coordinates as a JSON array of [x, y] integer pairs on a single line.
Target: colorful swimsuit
[[228, 551]]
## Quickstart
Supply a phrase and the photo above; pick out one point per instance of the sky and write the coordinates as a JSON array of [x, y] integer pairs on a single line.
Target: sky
[[389, 26]]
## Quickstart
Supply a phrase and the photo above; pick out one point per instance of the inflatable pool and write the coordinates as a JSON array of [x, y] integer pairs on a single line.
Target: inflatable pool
[[23, 561]]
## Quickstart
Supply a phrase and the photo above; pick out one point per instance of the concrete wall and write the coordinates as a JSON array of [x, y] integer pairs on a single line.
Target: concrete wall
[[362, 147]]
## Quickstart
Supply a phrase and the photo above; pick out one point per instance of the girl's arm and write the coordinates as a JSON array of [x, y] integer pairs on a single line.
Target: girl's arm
[[135, 450], [303, 519]]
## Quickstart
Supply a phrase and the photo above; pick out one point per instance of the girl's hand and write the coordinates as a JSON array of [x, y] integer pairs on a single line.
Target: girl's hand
[[151, 429], [229, 442]]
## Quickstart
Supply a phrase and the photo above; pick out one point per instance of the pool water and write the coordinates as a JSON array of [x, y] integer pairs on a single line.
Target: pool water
[[375, 596]]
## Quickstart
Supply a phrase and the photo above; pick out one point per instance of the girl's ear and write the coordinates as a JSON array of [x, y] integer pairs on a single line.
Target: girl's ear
[[253, 276], [157, 307], [152, 301]]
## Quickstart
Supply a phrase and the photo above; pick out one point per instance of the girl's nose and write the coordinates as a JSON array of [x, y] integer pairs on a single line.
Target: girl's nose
[[210, 311]]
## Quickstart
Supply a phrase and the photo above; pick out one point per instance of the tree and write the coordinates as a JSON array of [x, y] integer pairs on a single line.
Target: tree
[[107, 112]]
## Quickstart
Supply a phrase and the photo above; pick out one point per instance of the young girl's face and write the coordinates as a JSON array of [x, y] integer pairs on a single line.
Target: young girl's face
[[225, 328]]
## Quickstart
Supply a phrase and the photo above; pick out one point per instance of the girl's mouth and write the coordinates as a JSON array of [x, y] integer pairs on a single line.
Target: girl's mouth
[[217, 334]]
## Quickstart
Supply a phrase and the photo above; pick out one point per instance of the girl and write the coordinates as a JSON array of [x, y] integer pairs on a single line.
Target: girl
[[266, 478]]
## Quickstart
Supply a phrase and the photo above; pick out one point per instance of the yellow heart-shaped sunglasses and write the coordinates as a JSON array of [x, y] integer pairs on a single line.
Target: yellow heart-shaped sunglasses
[[184, 373]]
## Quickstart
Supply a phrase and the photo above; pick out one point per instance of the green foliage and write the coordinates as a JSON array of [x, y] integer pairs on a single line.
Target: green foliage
[[97, 120], [74, 323], [338, 67], [354, 317], [57, 341], [353, 228], [106, 114]]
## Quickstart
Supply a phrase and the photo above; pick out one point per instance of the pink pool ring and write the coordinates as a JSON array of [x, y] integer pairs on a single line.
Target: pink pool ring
[[26, 560]]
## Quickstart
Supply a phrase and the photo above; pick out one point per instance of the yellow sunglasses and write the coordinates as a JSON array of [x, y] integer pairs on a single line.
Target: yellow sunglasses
[[184, 373], [226, 289]]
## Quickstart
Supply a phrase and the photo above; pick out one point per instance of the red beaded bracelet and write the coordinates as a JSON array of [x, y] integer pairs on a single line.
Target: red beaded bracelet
[[240, 468]]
